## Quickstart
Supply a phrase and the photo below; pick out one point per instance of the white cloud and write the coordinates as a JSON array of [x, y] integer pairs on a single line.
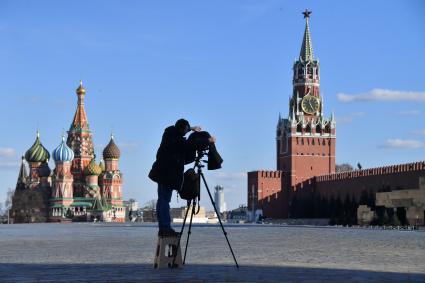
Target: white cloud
[[231, 175], [410, 112], [6, 152], [6, 165], [419, 132], [378, 94], [400, 143], [233, 181], [349, 118]]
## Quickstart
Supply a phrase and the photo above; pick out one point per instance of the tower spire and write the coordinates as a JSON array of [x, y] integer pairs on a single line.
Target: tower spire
[[80, 117], [80, 141], [306, 53]]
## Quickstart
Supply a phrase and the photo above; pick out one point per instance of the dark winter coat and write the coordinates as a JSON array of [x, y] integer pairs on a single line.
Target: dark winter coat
[[173, 153]]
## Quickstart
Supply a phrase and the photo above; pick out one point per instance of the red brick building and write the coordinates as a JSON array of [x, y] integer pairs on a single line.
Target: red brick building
[[305, 151]]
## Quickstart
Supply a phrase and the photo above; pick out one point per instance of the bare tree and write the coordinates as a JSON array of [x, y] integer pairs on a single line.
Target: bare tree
[[344, 167], [8, 203], [149, 211], [150, 205], [9, 197]]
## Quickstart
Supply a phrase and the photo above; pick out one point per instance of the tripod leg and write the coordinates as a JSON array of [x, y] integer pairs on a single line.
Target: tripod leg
[[189, 231], [219, 219], [181, 233]]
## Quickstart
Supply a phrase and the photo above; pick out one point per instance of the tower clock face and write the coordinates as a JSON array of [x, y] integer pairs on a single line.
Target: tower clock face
[[310, 104]]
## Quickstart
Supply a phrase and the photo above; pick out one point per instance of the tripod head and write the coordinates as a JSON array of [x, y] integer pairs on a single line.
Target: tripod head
[[198, 160]]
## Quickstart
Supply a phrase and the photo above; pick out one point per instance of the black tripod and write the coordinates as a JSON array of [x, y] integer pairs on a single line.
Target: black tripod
[[191, 205]]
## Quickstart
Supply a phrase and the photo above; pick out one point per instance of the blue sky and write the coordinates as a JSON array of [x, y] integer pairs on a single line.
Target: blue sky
[[225, 65]]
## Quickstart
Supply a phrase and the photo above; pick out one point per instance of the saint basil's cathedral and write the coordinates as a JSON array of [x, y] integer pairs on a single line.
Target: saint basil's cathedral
[[78, 189]]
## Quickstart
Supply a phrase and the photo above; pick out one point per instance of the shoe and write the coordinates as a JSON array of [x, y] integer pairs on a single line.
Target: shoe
[[168, 232]]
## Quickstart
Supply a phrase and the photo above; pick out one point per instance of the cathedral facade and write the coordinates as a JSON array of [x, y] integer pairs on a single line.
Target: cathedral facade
[[78, 188]]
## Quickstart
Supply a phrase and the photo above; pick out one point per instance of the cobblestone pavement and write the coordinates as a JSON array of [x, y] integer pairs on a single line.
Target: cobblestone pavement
[[124, 253]]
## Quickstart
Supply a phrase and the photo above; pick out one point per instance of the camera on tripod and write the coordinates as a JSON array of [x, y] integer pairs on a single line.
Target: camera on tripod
[[199, 143], [199, 147]]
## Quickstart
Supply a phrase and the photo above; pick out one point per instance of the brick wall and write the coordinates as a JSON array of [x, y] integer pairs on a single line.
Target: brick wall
[[401, 176], [265, 192]]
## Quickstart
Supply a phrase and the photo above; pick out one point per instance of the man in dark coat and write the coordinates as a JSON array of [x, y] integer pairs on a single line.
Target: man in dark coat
[[168, 169]]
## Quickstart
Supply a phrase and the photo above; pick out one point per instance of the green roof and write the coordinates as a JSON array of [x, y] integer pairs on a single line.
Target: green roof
[[306, 53], [81, 203], [57, 205], [83, 199]]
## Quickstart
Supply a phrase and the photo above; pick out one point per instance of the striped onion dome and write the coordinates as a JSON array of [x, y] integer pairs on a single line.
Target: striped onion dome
[[37, 152], [63, 153], [111, 151], [92, 168]]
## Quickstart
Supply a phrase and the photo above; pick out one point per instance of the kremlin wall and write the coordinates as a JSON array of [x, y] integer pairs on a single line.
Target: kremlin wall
[[306, 184]]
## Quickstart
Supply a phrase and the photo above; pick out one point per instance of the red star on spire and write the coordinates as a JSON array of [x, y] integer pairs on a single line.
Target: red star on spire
[[306, 13]]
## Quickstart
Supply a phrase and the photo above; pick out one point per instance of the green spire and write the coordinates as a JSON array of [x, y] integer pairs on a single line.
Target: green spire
[[306, 53]]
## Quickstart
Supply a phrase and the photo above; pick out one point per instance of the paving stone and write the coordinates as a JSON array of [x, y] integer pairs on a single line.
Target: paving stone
[[103, 252]]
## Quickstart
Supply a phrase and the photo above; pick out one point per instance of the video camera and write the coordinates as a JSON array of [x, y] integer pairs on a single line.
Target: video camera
[[199, 142], [199, 146]]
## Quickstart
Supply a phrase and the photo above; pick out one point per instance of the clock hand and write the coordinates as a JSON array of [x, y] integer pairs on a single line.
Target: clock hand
[[309, 102]]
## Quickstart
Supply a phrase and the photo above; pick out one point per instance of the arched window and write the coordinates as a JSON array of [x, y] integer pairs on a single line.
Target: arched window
[[308, 128], [327, 128], [300, 71], [318, 129], [310, 72]]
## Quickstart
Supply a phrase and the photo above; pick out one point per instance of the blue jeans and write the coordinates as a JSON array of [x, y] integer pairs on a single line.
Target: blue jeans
[[163, 207]]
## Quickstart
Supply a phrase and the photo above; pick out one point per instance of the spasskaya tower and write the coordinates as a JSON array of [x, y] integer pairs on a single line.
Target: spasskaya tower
[[305, 139]]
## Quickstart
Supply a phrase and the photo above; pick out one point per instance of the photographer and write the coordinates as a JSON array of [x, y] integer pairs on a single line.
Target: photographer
[[168, 169]]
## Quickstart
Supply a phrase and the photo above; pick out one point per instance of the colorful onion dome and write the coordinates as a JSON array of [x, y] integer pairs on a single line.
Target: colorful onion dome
[[81, 89], [37, 152], [102, 165], [111, 151], [63, 153], [92, 168], [44, 170]]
